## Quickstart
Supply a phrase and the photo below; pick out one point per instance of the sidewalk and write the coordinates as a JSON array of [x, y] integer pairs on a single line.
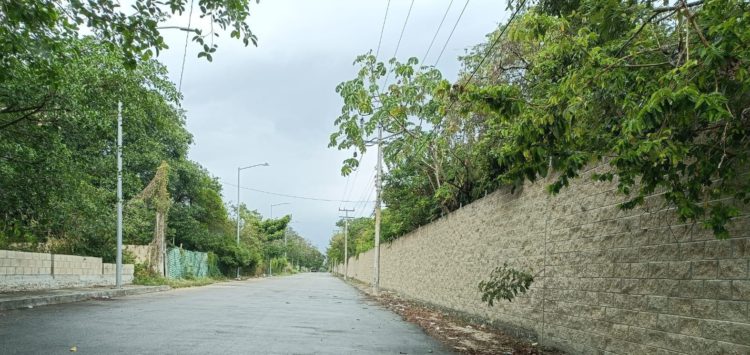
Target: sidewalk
[[29, 299]]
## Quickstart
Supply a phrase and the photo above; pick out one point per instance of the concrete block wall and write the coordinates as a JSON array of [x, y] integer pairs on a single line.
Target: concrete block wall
[[141, 252], [607, 280], [33, 271]]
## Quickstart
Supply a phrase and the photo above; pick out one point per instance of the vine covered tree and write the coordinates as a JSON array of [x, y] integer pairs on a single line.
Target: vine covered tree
[[658, 94]]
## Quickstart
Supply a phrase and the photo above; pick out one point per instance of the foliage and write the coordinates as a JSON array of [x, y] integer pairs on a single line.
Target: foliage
[[659, 96], [58, 163], [31, 27], [144, 276], [301, 253], [505, 283]]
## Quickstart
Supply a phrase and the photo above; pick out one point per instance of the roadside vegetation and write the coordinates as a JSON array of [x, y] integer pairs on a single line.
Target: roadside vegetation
[[658, 92], [65, 66]]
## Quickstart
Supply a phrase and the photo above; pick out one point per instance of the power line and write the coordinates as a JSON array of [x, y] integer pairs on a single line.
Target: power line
[[354, 181], [401, 36], [452, 30], [382, 28], [403, 28], [492, 46], [497, 39], [293, 196], [368, 189], [365, 203], [437, 31], [346, 186], [184, 52]]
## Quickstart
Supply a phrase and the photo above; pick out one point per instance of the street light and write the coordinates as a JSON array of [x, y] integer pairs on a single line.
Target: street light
[[238, 204], [277, 204]]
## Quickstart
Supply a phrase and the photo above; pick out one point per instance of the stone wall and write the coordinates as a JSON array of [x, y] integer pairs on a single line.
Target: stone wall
[[35, 271], [140, 252], [607, 280]]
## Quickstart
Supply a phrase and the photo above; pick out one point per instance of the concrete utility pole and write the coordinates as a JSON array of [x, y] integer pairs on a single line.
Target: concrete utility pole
[[378, 175], [118, 261], [238, 204], [346, 239], [279, 204]]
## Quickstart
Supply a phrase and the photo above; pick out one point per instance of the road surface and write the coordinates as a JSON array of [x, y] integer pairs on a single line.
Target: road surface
[[313, 313]]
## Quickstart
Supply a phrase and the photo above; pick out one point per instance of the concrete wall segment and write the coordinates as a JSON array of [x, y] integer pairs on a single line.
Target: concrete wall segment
[[608, 280]]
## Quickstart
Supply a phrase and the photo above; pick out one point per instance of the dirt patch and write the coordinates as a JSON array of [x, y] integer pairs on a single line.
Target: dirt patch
[[455, 333]]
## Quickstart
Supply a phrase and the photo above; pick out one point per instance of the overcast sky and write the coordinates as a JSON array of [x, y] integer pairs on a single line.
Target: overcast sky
[[276, 103]]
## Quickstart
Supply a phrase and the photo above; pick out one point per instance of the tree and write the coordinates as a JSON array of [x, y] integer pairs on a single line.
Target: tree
[[29, 27], [659, 95], [58, 164]]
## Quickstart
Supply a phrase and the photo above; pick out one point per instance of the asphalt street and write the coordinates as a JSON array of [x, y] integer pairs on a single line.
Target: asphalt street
[[313, 313]]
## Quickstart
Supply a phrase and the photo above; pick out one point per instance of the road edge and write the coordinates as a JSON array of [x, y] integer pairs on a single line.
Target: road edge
[[76, 296]]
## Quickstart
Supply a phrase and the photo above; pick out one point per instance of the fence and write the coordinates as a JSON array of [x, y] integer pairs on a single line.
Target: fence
[[183, 263]]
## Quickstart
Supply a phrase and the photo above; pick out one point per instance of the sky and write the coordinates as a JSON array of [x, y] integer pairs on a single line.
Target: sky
[[276, 102]]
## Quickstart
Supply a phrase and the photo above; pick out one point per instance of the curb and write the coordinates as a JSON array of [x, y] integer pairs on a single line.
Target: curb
[[75, 296]]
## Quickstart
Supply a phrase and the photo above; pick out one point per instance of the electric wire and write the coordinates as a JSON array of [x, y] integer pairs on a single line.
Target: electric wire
[[184, 51], [346, 186], [400, 37], [382, 28], [364, 204], [354, 181], [437, 31], [291, 196], [497, 39], [489, 50], [451, 34], [368, 187]]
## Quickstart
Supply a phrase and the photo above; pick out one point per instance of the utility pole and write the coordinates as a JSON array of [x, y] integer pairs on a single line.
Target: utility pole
[[378, 176], [285, 229], [346, 239], [239, 169], [118, 261], [238, 215]]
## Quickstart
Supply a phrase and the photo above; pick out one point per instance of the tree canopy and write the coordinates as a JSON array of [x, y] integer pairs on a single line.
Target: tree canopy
[[657, 93]]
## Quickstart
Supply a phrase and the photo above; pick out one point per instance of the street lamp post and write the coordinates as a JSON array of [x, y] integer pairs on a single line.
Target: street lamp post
[[239, 169], [279, 204]]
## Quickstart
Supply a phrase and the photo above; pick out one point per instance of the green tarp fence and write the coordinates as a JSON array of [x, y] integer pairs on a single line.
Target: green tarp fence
[[183, 263]]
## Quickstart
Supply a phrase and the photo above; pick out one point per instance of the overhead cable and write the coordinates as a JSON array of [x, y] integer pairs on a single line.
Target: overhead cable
[[400, 37], [184, 52], [382, 28], [451, 34], [436, 32], [293, 196], [497, 39]]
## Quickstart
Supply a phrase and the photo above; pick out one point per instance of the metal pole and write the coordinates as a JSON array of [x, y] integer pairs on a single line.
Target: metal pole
[[238, 215], [346, 240], [346, 248], [118, 271], [378, 173]]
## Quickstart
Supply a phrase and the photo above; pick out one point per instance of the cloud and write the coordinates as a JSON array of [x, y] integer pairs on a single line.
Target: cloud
[[277, 102]]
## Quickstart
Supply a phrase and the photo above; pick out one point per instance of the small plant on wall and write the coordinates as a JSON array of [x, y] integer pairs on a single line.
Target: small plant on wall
[[505, 283]]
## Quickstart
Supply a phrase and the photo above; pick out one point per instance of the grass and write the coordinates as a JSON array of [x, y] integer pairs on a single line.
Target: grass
[[143, 276], [175, 283]]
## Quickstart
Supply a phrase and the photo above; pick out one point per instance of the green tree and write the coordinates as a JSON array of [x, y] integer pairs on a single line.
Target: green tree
[[658, 94]]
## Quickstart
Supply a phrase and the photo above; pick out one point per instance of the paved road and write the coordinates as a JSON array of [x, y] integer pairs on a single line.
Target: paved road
[[311, 313]]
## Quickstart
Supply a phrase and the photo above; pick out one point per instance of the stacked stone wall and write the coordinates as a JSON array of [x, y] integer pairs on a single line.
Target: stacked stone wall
[[33, 271], [608, 280]]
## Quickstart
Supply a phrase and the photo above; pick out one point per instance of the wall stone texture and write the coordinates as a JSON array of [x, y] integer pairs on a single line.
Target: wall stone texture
[[35, 271], [608, 280], [140, 252]]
